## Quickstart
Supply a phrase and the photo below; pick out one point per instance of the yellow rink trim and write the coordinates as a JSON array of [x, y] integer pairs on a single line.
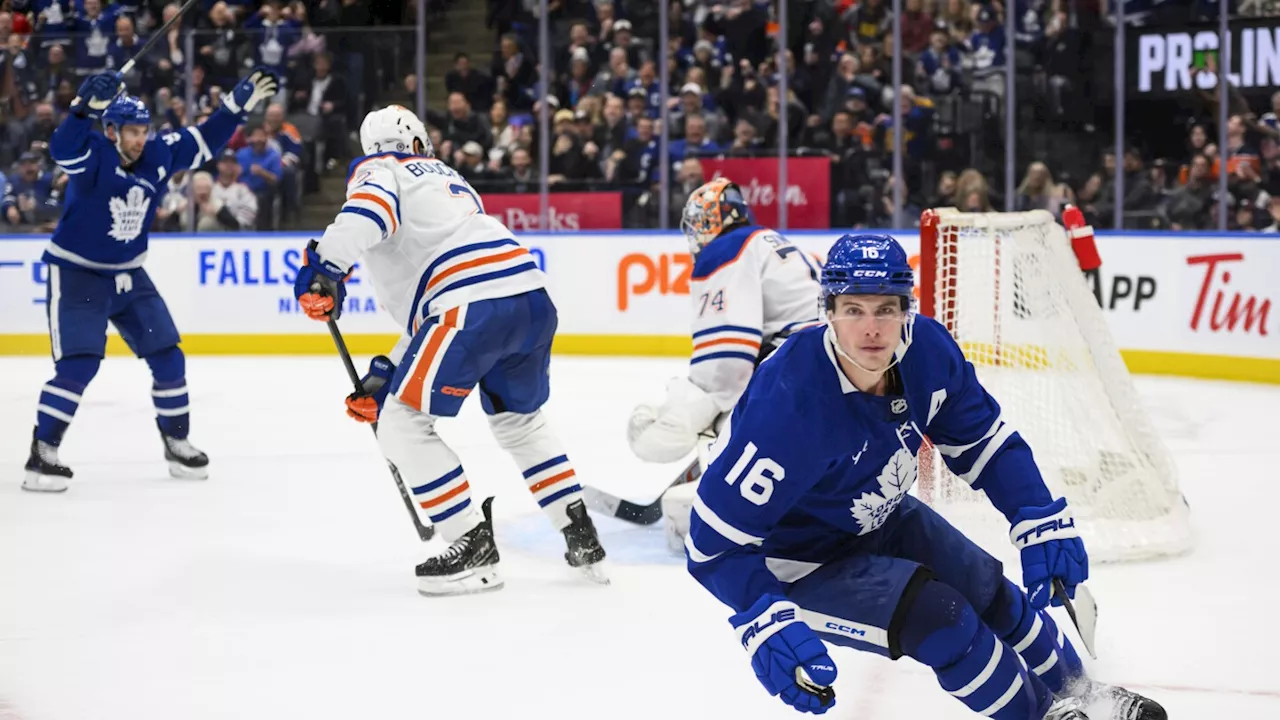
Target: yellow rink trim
[[1219, 367]]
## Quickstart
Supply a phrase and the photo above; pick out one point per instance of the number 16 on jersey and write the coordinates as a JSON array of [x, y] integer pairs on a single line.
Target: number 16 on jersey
[[757, 486]]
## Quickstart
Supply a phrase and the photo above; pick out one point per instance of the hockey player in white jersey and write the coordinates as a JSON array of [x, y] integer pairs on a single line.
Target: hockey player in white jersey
[[474, 313], [751, 288]]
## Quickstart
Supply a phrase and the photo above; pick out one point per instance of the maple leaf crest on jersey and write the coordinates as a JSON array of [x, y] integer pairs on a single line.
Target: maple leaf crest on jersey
[[128, 214], [897, 476]]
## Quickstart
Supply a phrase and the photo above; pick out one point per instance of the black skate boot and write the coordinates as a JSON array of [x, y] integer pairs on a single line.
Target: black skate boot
[[185, 461], [1129, 705], [470, 565], [585, 551], [44, 472]]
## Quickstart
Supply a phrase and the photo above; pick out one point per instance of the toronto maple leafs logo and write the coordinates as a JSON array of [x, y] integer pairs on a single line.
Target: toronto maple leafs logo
[[896, 478], [128, 214]]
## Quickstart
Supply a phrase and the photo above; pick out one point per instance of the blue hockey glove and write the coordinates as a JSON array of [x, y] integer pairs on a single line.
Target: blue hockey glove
[[364, 406], [788, 656], [96, 94], [249, 93], [1051, 548], [320, 286]]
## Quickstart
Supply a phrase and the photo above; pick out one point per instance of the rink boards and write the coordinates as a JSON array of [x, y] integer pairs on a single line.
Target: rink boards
[[1198, 305]]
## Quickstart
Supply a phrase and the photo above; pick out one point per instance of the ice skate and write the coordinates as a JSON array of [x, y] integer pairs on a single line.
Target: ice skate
[[186, 462], [44, 472], [585, 551], [1067, 708], [1125, 704], [470, 565]]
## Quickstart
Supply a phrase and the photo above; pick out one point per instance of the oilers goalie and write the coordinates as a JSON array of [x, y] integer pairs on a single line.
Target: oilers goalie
[[751, 289], [804, 527], [473, 312]]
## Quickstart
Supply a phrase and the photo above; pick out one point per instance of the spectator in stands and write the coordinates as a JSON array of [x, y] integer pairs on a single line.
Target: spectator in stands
[[514, 74], [284, 137], [988, 47], [691, 105], [221, 47], [52, 72], [40, 125], [323, 95], [582, 48], [54, 22], [29, 196], [938, 70], [617, 77], [611, 133], [460, 124], [260, 169], [169, 57], [233, 203], [1038, 191], [521, 175], [271, 35], [624, 40], [469, 162], [746, 140], [972, 192], [500, 128], [689, 176], [94, 30], [695, 142], [472, 84], [122, 48], [917, 26], [636, 162]]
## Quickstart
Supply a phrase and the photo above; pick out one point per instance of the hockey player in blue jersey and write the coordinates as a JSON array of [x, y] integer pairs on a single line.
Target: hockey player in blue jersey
[[96, 254], [803, 524]]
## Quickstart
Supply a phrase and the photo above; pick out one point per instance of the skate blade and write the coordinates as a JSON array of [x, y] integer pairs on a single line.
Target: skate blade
[[35, 482], [595, 573], [470, 582], [178, 471]]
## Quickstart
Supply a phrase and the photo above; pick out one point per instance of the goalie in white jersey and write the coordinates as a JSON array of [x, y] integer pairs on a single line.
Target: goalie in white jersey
[[474, 313], [751, 288]]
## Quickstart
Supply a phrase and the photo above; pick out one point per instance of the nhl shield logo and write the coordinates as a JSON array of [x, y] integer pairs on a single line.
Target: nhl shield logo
[[898, 406]]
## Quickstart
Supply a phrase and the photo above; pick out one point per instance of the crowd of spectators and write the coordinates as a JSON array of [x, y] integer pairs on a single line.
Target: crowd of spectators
[[606, 103]]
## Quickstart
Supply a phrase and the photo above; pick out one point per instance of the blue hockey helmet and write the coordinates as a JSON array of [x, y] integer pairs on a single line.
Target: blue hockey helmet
[[867, 265], [126, 110]]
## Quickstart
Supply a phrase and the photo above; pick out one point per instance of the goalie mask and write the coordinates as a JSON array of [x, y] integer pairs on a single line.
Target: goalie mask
[[394, 129], [711, 210]]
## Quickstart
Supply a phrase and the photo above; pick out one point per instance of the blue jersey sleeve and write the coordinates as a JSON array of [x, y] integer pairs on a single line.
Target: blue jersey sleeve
[[762, 466], [971, 434], [194, 146], [78, 150]]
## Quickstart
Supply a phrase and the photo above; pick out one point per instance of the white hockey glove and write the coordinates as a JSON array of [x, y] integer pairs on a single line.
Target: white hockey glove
[[261, 85], [669, 432]]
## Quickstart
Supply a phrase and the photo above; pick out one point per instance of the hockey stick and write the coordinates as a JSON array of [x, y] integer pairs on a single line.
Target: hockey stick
[[614, 506], [1086, 620], [155, 37], [425, 532]]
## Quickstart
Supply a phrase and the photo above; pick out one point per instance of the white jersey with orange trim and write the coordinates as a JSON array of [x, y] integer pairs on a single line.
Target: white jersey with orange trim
[[421, 231], [751, 288]]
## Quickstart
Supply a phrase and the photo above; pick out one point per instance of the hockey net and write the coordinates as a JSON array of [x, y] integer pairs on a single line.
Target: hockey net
[[1009, 289]]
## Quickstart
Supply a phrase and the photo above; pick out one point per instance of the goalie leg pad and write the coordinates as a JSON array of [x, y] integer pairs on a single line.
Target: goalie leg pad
[[432, 472], [542, 460], [677, 506], [941, 629], [1034, 635]]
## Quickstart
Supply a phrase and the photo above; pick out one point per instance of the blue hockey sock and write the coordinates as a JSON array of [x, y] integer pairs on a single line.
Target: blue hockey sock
[[169, 392], [943, 631], [60, 397], [1034, 635]]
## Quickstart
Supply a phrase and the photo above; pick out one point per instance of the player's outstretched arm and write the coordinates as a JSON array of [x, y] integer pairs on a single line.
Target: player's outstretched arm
[[71, 145], [197, 144]]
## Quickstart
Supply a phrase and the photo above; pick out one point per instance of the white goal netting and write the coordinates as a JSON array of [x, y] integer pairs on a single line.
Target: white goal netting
[[1009, 289]]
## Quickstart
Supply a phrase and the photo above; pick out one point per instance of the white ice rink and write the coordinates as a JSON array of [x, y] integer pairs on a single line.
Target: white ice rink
[[283, 586]]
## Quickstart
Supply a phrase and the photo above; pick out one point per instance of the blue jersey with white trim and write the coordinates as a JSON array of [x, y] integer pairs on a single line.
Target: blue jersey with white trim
[[750, 288], [421, 231], [807, 463], [108, 209]]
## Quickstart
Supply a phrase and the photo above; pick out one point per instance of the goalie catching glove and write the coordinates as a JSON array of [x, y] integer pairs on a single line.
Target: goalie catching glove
[[670, 432], [788, 657], [364, 406]]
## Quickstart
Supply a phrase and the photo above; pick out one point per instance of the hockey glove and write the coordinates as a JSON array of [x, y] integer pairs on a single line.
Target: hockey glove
[[250, 92], [1051, 548], [320, 286], [670, 432], [788, 657], [96, 94], [364, 406]]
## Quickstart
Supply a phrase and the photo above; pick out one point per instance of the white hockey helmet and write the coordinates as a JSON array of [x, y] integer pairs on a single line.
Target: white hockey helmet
[[393, 129]]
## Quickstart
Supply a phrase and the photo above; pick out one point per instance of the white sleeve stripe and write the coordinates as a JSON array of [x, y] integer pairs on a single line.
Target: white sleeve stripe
[[75, 171], [727, 531], [74, 161], [958, 450], [1006, 431], [204, 153], [695, 554]]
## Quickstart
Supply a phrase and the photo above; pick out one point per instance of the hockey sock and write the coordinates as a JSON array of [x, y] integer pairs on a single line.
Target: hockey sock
[[169, 392], [60, 397], [542, 461], [1034, 635], [943, 631], [431, 471]]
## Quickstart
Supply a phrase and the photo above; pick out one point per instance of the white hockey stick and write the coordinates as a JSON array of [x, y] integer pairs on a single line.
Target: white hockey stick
[[1083, 612], [614, 506]]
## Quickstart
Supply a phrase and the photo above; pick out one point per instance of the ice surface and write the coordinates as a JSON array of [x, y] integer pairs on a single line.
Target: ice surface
[[282, 587]]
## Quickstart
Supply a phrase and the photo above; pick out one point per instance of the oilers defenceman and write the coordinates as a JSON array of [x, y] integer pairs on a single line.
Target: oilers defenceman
[[96, 254], [803, 525], [474, 312], [751, 288]]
